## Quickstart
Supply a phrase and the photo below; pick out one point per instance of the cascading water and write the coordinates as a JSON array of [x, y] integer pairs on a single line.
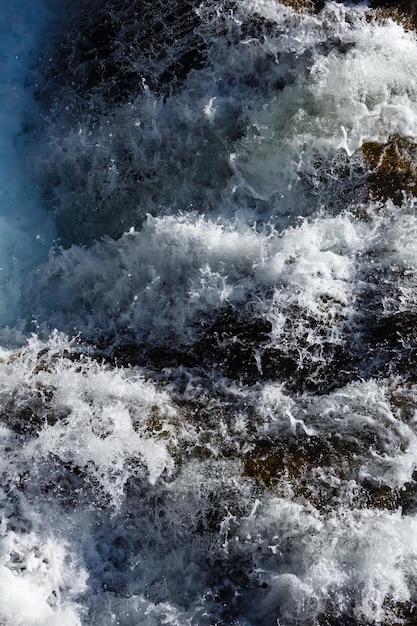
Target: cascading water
[[208, 397]]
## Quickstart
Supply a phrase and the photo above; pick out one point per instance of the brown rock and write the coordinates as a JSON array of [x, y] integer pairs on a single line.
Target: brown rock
[[394, 173], [304, 6], [404, 13], [299, 5]]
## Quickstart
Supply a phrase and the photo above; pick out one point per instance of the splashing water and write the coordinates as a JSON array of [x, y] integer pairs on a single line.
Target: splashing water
[[207, 385]]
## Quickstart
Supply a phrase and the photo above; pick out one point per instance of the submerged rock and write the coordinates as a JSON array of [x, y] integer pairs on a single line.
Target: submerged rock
[[394, 173], [325, 471], [405, 13], [301, 5]]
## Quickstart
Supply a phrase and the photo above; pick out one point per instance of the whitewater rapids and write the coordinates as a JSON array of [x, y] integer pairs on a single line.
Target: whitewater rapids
[[208, 397]]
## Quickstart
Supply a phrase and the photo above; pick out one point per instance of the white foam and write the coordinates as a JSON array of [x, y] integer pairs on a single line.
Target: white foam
[[38, 581], [364, 92]]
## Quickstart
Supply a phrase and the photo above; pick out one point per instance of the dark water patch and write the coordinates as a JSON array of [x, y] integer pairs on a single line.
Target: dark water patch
[[384, 344], [237, 345], [339, 181], [111, 50], [181, 531]]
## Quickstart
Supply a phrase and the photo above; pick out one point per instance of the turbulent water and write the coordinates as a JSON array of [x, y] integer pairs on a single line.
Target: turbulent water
[[208, 393]]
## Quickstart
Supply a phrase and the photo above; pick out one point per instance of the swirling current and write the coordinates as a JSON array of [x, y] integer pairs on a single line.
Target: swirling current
[[208, 313]]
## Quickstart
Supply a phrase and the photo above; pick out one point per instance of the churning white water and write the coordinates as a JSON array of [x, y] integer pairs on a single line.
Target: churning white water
[[208, 398]]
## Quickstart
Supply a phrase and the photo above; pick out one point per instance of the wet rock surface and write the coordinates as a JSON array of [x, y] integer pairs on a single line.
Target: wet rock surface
[[403, 12], [394, 168]]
